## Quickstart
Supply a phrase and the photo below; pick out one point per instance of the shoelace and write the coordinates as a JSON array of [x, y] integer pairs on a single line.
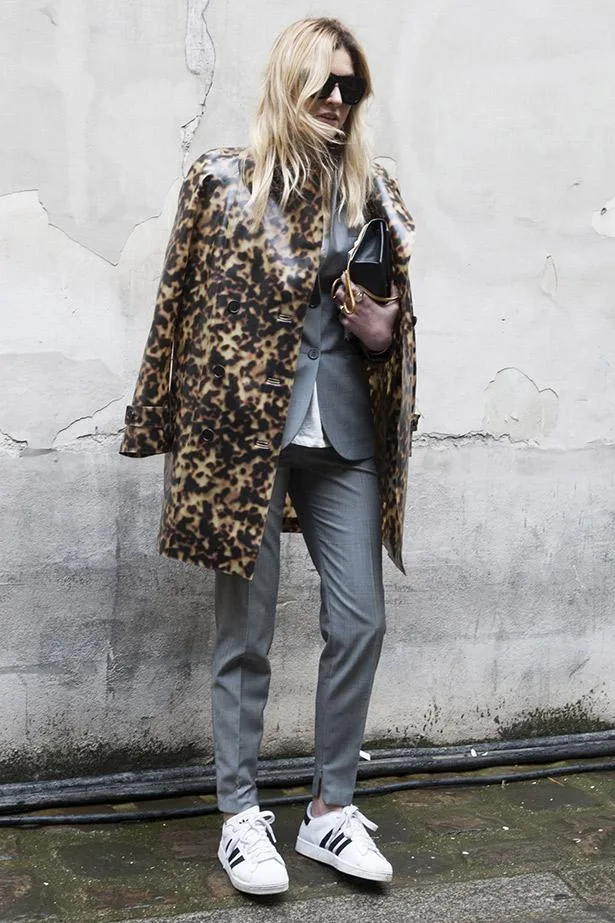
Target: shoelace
[[253, 835], [353, 823]]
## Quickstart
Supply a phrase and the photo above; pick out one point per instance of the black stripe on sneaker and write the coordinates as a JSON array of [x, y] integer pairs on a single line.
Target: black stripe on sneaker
[[233, 854], [237, 861], [342, 846], [336, 842], [306, 819], [325, 839]]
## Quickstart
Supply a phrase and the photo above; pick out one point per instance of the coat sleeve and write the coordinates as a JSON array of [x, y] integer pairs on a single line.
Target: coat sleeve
[[400, 220], [393, 383], [149, 418]]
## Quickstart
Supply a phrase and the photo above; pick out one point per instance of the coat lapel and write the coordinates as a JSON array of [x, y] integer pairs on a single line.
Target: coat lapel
[[290, 242]]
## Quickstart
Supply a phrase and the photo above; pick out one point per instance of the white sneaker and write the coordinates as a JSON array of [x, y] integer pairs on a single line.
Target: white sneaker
[[248, 855], [340, 839]]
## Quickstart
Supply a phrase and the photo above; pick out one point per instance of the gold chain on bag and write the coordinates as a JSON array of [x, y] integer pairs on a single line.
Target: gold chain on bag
[[350, 300]]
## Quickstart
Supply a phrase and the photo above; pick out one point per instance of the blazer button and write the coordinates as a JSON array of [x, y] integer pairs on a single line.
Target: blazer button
[[233, 307], [218, 371], [313, 353], [207, 436]]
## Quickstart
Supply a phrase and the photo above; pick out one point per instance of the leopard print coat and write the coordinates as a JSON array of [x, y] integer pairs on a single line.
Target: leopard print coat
[[216, 377]]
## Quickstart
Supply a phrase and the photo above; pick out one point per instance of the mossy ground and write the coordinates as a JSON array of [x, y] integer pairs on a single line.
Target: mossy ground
[[441, 836]]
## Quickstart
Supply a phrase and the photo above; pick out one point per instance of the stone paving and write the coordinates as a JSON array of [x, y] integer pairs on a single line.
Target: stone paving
[[465, 852]]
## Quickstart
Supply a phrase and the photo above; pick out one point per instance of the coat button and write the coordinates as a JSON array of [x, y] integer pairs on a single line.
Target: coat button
[[207, 435], [218, 371], [313, 353], [233, 307]]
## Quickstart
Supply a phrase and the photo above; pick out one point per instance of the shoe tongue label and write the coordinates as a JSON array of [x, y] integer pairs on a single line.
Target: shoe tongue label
[[244, 820]]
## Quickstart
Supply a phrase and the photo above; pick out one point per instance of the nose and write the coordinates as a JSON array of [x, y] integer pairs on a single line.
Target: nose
[[335, 96]]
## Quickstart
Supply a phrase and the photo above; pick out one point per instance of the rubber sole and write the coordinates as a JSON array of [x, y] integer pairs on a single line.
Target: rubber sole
[[305, 848], [246, 887]]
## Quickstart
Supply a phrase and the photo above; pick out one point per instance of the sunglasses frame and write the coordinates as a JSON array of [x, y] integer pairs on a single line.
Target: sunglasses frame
[[352, 88]]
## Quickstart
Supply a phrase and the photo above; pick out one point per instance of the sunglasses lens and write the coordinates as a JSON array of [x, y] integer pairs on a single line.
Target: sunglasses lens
[[352, 89], [352, 92], [328, 86]]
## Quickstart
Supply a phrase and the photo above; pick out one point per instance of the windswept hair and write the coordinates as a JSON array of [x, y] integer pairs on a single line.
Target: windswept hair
[[288, 143]]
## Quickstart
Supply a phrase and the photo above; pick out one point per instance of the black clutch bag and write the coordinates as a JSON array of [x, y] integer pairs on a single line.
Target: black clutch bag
[[369, 261], [369, 265]]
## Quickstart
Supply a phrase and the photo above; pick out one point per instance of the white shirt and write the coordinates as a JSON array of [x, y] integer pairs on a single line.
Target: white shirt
[[311, 434]]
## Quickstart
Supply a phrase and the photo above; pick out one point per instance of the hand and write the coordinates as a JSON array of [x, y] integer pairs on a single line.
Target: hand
[[371, 322]]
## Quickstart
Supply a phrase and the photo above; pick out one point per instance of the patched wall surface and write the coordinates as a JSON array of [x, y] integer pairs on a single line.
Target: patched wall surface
[[498, 124]]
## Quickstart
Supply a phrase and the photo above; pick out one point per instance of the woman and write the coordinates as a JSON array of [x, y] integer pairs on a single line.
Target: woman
[[281, 407]]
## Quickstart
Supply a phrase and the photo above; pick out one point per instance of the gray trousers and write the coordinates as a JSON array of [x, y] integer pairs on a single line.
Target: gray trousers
[[339, 511]]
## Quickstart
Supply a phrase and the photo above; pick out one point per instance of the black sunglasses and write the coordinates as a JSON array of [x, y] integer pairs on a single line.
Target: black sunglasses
[[352, 89]]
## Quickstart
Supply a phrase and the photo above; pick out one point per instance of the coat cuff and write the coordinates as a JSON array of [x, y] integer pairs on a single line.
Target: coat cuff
[[148, 431], [383, 356]]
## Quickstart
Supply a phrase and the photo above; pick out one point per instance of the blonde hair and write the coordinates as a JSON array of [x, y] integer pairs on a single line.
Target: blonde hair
[[288, 143]]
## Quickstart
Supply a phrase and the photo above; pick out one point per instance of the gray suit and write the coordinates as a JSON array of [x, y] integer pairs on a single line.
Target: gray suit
[[334, 491], [335, 363]]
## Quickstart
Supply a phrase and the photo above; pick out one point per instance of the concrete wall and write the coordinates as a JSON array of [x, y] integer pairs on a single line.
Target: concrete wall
[[498, 122]]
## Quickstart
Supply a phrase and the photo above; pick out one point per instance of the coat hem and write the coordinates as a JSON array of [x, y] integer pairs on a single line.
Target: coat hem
[[236, 566]]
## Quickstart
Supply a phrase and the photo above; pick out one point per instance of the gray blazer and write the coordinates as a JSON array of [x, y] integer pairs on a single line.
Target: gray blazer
[[337, 364]]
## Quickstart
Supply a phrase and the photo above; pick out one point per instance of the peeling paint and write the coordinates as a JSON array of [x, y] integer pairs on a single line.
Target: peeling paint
[[549, 282], [201, 61], [48, 393], [100, 124], [11, 446], [460, 439], [84, 426], [503, 528], [603, 221], [61, 230], [91, 442], [515, 405]]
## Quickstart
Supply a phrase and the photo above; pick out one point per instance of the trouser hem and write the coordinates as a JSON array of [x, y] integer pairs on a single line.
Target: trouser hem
[[331, 793], [229, 805], [341, 796]]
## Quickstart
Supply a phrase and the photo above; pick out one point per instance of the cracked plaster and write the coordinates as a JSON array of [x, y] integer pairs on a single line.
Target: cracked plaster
[[45, 395], [492, 176], [201, 61], [93, 104], [515, 406], [73, 325], [496, 174]]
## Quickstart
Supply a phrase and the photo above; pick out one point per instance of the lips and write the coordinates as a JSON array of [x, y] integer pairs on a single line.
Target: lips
[[329, 117]]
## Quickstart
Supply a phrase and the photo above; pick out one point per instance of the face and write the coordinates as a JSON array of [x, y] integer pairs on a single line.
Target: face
[[332, 111]]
